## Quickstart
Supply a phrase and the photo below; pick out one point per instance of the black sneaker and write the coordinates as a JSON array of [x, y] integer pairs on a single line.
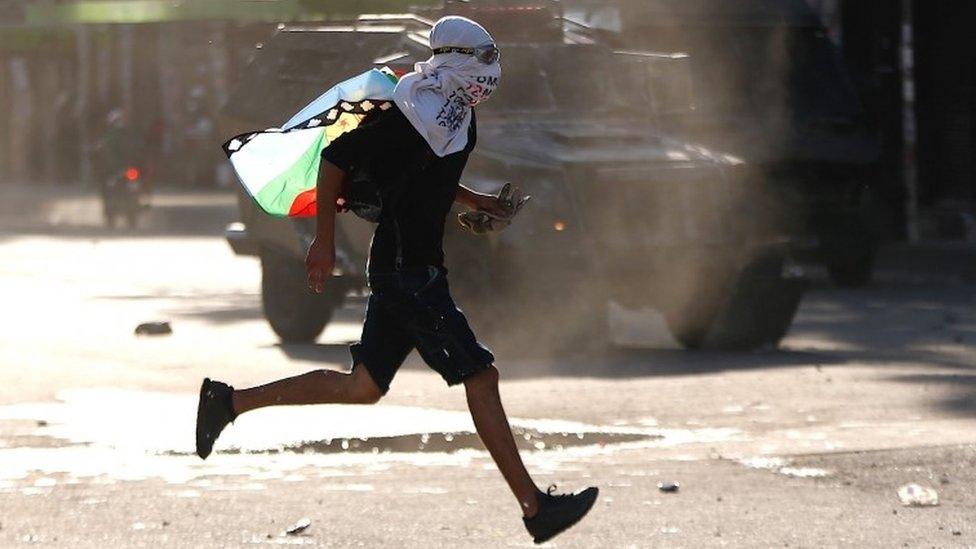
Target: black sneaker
[[559, 512], [214, 412]]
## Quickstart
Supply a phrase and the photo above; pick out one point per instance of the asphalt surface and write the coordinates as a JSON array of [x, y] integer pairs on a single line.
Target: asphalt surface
[[803, 446]]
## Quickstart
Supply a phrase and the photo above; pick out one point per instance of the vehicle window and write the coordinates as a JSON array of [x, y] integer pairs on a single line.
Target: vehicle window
[[586, 79], [547, 77], [523, 84]]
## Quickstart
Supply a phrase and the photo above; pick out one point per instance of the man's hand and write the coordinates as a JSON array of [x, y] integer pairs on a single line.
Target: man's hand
[[321, 254], [490, 213], [480, 202], [319, 263], [489, 203]]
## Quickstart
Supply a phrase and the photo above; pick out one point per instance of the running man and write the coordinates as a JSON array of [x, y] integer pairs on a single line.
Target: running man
[[418, 149]]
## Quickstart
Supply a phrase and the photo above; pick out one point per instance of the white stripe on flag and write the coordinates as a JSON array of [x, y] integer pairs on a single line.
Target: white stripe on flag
[[269, 155]]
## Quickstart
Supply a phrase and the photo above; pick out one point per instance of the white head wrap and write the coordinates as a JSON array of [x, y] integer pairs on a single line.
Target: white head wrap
[[437, 97]]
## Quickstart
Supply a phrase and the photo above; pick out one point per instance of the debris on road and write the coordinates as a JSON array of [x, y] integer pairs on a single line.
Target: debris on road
[[299, 527], [914, 495], [783, 467], [154, 328], [669, 486], [803, 472]]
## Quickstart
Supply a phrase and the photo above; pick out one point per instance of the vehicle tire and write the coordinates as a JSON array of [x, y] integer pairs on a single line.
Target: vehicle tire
[[744, 310], [690, 313], [294, 312], [851, 245], [689, 331], [689, 326], [849, 256], [760, 307]]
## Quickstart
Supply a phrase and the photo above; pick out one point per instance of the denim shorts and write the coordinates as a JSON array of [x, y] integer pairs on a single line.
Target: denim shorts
[[413, 309]]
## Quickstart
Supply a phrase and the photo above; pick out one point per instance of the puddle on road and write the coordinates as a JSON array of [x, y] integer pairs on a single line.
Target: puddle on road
[[163, 424], [109, 435], [526, 439], [783, 466]]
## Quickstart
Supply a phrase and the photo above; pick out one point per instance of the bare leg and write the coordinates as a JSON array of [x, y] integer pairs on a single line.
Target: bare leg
[[485, 405], [316, 387]]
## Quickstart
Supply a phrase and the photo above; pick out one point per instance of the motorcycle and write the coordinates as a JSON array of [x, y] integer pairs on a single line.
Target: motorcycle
[[124, 195]]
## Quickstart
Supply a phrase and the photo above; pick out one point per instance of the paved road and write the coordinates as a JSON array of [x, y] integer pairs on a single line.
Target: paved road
[[803, 446]]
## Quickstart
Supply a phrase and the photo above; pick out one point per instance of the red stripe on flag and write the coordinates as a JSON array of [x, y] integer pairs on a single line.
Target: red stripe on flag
[[303, 205]]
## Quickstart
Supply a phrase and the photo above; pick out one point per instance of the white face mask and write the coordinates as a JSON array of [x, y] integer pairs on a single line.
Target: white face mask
[[481, 87], [437, 97], [463, 89]]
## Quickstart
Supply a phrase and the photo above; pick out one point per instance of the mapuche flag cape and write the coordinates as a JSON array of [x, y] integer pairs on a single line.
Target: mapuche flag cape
[[279, 167]]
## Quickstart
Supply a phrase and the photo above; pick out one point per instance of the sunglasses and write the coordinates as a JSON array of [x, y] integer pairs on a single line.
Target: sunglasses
[[488, 54]]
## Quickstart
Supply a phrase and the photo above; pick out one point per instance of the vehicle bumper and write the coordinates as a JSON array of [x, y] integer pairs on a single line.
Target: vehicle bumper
[[240, 241]]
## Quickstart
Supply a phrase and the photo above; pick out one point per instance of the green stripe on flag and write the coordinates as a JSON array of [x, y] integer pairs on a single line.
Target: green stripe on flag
[[277, 196]]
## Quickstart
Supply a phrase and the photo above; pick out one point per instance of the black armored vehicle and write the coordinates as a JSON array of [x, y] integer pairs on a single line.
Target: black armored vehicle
[[772, 89], [622, 212]]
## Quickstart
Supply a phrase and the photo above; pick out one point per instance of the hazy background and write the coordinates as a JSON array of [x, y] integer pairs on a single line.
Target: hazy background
[[842, 128], [169, 67]]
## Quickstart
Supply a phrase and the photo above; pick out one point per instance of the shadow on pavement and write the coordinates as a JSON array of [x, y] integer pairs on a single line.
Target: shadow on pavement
[[631, 363], [612, 363], [964, 399], [881, 324], [218, 308], [224, 315], [924, 323]]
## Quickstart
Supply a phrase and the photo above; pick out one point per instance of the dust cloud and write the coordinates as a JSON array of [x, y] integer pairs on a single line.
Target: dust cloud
[[660, 144]]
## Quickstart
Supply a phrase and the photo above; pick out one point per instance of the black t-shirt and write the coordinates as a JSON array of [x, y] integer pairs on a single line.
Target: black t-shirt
[[423, 187]]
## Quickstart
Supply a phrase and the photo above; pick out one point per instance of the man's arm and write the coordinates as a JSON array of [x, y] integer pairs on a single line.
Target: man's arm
[[466, 197], [479, 201], [321, 254]]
